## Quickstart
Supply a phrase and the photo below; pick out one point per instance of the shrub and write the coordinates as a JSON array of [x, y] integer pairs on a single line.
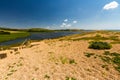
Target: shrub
[[100, 45]]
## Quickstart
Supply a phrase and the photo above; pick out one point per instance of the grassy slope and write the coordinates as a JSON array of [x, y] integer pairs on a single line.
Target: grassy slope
[[19, 33], [13, 36]]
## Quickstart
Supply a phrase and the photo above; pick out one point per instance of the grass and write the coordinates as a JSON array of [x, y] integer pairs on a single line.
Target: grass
[[47, 76], [65, 60], [88, 54], [114, 58], [72, 61], [7, 34], [13, 36], [116, 42], [70, 78], [98, 37], [109, 58]]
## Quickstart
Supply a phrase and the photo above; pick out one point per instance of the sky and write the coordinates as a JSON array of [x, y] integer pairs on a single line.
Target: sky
[[60, 14]]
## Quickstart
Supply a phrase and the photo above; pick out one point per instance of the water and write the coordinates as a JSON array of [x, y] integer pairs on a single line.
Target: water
[[39, 36]]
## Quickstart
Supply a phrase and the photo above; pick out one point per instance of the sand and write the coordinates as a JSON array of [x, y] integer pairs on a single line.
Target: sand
[[49, 60]]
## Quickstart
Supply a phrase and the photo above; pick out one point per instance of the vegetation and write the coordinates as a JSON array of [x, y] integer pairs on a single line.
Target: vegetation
[[12, 36], [4, 32], [112, 59], [72, 61], [70, 78], [98, 37], [89, 54], [46, 76], [65, 60], [99, 45]]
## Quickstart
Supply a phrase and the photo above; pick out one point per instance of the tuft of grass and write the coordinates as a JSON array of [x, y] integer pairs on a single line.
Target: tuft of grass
[[117, 68], [115, 38], [70, 78], [115, 54], [106, 53], [13, 70], [72, 61], [46, 76], [36, 68], [106, 59], [9, 74], [88, 54], [20, 64], [63, 60], [106, 67], [16, 53], [115, 42]]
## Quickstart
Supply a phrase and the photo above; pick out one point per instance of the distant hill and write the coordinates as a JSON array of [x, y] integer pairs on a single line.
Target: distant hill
[[27, 30], [39, 30]]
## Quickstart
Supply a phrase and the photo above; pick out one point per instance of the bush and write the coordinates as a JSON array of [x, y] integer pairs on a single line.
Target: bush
[[100, 45]]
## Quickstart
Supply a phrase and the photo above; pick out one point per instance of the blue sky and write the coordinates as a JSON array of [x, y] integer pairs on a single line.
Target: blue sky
[[58, 14]]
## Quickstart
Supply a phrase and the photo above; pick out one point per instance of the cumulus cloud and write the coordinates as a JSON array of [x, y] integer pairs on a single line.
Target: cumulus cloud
[[63, 25], [68, 25], [74, 22], [111, 5], [65, 20]]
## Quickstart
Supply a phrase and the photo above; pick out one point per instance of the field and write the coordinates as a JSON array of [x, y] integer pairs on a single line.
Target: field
[[65, 58], [7, 34], [13, 35]]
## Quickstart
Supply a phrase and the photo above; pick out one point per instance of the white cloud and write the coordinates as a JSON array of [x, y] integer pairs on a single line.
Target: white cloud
[[65, 20], [74, 21], [63, 25], [68, 25], [111, 5]]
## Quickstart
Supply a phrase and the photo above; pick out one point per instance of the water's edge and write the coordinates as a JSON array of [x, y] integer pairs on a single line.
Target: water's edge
[[39, 36]]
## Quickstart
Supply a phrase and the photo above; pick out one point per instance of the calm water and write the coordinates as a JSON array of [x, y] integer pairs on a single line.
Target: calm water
[[39, 36]]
